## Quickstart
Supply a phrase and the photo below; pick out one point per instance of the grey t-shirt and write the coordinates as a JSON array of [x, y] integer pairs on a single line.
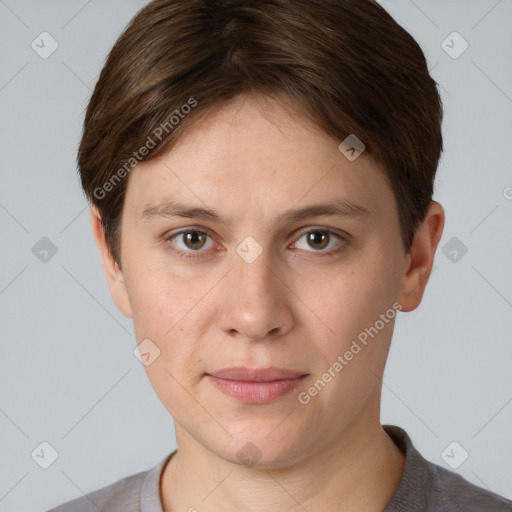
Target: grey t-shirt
[[424, 487]]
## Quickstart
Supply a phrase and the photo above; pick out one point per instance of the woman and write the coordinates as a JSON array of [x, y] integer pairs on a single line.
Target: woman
[[261, 178]]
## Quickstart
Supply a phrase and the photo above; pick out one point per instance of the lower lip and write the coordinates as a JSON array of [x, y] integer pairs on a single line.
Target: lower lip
[[256, 392]]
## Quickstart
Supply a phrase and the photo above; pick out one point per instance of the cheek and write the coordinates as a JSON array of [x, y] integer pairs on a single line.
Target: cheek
[[165, 312], [355, 299], [160, 296], [168, 308], [351, 306]]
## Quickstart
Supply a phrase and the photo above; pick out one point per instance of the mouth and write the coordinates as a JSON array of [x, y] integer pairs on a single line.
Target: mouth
[[256, 386]]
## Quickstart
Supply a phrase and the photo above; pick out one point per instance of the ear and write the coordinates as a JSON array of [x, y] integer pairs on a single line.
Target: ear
[[420, 258], [114, 274]]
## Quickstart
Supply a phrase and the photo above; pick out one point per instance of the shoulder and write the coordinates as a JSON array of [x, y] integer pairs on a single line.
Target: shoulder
[[121, 496], [456, 493], [428, 487]]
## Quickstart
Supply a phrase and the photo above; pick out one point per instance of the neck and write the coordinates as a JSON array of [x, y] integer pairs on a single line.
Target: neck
[[361, 469]]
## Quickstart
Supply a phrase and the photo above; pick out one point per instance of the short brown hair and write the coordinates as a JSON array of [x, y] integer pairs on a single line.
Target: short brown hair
[[346, 64]]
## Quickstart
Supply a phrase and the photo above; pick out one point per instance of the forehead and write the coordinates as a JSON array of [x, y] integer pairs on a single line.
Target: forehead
[[254, 156]]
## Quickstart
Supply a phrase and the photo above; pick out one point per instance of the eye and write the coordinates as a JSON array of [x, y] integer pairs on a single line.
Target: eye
[[320, 239], [192, 240]]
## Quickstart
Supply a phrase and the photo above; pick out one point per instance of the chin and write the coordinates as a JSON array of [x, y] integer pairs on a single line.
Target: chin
[[259, 452]]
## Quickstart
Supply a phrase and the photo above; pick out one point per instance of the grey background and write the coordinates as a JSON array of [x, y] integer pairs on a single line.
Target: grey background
[[68, 375]]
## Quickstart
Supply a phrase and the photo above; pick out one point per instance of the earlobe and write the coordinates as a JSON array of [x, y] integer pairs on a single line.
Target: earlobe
[[421, 257], [114, 274]]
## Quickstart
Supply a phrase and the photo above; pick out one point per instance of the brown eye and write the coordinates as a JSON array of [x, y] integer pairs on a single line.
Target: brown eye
[[318, 239], [194, 239], [189, 241]]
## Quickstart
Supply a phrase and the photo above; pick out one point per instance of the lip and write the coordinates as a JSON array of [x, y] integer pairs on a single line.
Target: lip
[[241, 373], [256, 386]]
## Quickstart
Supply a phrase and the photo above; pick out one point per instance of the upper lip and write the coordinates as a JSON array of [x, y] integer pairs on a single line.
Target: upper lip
[[242, 373]]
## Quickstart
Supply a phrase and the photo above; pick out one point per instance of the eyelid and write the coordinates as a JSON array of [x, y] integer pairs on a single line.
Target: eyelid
[[327, 229]]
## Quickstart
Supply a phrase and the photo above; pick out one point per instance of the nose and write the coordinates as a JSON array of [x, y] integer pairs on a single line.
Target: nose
[[255, 300]]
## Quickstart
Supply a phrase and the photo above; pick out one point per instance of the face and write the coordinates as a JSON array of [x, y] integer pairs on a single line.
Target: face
[[233, 256]]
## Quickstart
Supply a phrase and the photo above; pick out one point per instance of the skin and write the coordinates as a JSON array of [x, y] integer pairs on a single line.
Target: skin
[[293, 307]]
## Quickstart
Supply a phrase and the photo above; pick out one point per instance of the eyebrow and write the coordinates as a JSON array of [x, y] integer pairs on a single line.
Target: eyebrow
[[337, 208]]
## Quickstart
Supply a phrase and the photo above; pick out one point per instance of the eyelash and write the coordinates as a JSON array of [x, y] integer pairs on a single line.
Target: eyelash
[[196, 254]]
